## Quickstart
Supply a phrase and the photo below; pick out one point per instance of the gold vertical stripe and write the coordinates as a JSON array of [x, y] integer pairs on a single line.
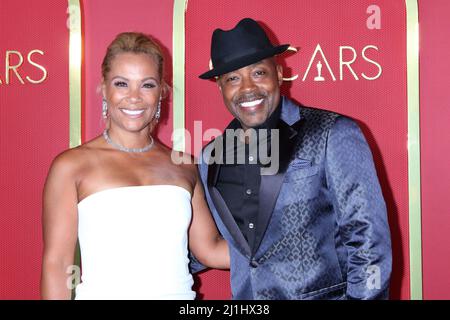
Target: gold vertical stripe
[[75, 47], [415, 223], [178, 136], [75, 73]]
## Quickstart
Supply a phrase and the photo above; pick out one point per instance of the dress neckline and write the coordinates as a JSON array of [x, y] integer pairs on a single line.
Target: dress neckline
[[127, 187]]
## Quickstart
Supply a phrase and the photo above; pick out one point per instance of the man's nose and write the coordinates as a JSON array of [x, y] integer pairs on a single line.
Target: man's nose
[[247, 84]]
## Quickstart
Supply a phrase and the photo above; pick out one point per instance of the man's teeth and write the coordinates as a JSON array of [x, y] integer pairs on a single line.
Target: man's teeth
[[133, 112], [250, 104]]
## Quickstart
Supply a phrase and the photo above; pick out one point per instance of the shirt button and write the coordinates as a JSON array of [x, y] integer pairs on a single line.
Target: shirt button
[[248, 191], [253, 263], [251, 225], [250, 158]]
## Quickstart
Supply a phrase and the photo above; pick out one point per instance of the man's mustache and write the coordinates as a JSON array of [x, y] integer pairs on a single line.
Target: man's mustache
[[249, 97]]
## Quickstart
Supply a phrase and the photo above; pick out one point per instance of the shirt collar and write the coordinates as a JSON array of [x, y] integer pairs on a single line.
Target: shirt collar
[[270, 123]]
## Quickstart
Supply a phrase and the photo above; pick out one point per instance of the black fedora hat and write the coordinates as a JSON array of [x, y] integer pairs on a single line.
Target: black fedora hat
[[241, 46]]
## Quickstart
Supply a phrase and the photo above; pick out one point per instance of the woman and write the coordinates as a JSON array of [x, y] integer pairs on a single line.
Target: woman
[[131, 207]]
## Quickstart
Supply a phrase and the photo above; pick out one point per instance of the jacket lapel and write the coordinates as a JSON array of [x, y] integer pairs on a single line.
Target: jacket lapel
[[288, 126], [271, 184], [222, 208]]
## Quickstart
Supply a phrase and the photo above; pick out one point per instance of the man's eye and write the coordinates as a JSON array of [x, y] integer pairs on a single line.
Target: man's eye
[[120, 84], [260, 72], [231, 78]]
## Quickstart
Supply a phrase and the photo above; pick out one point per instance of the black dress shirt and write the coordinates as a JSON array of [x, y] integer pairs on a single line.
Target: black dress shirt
[[238, 182]]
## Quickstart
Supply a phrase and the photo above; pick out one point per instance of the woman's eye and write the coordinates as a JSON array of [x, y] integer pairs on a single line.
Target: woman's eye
[[149, 85], [120, 84]]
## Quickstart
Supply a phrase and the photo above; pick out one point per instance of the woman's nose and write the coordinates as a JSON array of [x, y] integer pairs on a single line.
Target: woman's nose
[[134, 95]]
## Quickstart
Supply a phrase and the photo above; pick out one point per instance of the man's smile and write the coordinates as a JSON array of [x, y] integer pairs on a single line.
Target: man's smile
[[250, 104]]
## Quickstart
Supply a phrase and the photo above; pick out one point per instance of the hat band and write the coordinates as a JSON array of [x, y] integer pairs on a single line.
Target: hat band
[[229, 58]]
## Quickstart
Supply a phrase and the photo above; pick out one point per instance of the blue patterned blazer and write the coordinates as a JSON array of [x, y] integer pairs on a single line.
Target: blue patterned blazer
[[324, 231]]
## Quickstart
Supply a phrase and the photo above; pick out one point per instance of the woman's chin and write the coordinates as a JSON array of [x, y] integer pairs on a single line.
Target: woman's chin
[[134, 127]]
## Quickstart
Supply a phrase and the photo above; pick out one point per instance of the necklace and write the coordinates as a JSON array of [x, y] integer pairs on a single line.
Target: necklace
[[125, 149]]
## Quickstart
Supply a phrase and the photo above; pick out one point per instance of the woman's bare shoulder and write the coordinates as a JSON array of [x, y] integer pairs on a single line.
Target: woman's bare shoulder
[[179, 161], [183, 159], [72, 160]]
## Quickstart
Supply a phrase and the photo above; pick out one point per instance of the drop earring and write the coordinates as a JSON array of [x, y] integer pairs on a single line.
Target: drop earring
[[104, 108], [158, 111]]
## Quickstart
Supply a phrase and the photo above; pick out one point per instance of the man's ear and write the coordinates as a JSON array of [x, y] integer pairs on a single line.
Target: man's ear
[[280, 74], [218, 84]]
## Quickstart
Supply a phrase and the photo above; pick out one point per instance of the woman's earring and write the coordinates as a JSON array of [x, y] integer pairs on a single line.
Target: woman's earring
[[104, 108], [158, 111]]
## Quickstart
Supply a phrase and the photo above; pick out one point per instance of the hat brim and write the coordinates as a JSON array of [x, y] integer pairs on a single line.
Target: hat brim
[[244, 61]]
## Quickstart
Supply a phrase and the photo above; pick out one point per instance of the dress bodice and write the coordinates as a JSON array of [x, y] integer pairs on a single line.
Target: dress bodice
[[134, 243]]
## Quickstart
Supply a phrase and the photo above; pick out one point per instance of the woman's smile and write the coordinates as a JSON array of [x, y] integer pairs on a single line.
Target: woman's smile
[[133, 113]]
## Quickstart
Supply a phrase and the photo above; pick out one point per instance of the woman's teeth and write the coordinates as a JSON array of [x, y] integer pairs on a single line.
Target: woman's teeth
[[250, 104], [132, 112]]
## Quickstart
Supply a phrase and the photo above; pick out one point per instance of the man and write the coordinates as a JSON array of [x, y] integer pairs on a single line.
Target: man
[[316, 227]]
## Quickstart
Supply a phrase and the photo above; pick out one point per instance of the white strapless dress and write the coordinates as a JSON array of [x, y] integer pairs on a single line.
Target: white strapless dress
[[134, 243]]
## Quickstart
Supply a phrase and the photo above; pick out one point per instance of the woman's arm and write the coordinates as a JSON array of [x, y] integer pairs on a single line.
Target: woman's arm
[[205, 242], [59, 221]]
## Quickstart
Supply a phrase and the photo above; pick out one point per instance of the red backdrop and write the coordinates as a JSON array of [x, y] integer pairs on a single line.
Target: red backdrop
[[435, 143], [34, 122]]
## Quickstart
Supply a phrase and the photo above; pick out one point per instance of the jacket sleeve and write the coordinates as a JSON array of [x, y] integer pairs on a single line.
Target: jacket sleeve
[[194, 265], [361, 211]]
